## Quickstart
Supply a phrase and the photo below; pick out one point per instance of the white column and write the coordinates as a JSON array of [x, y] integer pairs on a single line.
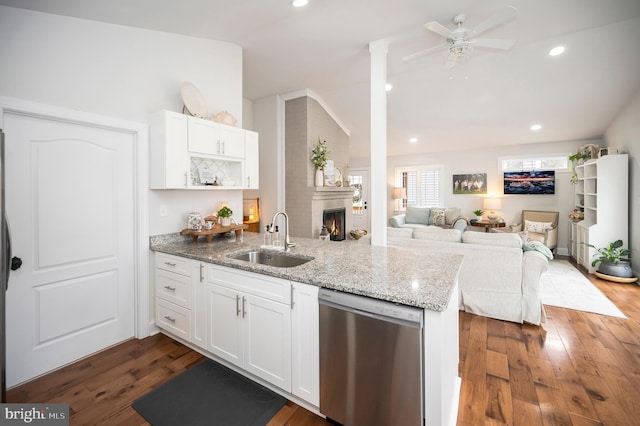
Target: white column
[[378, 177]]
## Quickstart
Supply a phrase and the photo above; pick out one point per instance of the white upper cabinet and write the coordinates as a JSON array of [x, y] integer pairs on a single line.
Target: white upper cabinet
[[252, 160], [211, 138], [168, 162], [193, 153]]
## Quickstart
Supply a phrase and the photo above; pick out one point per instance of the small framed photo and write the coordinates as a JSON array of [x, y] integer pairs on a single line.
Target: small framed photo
[[470, 183]]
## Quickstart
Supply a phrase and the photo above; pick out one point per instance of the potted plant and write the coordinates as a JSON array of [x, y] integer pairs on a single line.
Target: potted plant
[[580, 156], [319, 157], [225, 216], [613, 260], [478, 214]]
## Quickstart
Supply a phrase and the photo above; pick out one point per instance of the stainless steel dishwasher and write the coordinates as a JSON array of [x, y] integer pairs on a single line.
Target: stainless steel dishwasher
[[370, 361]]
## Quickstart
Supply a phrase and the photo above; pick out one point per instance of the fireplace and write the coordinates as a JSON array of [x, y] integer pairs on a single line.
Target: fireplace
[[334, 220]]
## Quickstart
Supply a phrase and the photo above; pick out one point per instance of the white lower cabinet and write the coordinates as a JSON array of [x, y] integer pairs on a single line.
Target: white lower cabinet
[[250, 331], [199, 304], [305, 342], [172, 285], [267, 326]]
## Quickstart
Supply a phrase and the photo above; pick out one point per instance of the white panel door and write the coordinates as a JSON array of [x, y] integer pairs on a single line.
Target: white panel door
[[359, 181], [70, 204]]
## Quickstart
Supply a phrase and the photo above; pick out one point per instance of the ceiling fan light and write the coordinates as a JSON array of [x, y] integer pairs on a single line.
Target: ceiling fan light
[[558, 50], [299, 3]]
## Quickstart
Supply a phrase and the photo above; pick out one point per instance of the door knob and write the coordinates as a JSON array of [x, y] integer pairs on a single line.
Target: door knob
[[16, 263]]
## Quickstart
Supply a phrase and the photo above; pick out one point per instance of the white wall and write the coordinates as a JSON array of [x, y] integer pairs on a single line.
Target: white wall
[[121, 72], [624, 134], [268, 116], [487, 160]]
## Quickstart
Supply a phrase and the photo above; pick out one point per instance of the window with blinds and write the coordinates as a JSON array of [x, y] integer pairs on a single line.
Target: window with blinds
[[423, 185]]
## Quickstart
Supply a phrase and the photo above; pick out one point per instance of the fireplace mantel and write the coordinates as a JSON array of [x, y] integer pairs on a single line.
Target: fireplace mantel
[[334, 189]]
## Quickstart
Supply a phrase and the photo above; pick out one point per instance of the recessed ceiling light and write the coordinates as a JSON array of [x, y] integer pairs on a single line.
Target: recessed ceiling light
[[388, 86], [413, 140], [299, 3], [536, 127], [558, 50]]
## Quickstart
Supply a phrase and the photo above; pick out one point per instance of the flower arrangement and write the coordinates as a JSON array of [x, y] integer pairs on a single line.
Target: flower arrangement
[[320, 154], [576, 215]]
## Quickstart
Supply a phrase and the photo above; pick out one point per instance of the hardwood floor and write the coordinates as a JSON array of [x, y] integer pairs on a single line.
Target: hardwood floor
[[577, 369]]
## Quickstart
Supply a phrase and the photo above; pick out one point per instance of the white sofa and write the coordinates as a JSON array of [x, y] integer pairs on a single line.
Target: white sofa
[[423, 217], [497, 278]]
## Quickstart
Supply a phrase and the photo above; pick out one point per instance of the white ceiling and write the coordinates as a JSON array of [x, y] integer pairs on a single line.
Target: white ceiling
[[492, 100]]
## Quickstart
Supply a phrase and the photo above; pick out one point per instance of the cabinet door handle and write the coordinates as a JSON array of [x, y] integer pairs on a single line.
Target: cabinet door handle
[[170, 288], [237, 305], [248, 181], [244, 311], [218, 150], [170, 264], [201, 276], [292, 302], [168, 318]]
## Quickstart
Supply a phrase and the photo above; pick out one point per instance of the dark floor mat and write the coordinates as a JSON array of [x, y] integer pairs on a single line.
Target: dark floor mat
[[209, 394]]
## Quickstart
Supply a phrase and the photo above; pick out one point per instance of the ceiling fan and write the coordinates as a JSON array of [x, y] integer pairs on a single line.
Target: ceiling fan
[[461, 42]]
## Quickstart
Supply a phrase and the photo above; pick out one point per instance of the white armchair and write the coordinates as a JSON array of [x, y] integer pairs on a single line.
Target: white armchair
[[540, 226]]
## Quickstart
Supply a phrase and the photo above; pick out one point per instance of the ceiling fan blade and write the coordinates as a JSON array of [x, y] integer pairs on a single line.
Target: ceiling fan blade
[[424, 52], [438, 28], [493, 43], [501, 17]]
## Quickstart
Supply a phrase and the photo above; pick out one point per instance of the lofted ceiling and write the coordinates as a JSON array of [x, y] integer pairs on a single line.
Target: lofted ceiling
[[491, 100]]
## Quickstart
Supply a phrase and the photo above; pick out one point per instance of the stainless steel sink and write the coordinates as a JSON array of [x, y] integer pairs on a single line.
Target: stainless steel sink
[[271, 258]]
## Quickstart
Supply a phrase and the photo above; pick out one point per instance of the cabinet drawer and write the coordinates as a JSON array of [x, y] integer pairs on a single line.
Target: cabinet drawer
[[173, 318], [175, 264], [271, 288], [173, 287]]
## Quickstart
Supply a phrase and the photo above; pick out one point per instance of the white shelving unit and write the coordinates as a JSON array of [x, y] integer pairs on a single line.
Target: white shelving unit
[[602, 194]]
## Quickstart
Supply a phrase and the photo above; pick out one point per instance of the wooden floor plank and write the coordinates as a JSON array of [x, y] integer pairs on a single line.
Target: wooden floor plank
[[576, 369]]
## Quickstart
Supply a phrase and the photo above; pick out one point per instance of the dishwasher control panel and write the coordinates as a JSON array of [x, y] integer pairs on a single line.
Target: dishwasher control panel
[[370, 307]]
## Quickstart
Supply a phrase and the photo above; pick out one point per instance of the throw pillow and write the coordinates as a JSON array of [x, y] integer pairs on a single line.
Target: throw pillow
[[417, 215], [438, 217], [538, 227], [451, 214], [539, 247]]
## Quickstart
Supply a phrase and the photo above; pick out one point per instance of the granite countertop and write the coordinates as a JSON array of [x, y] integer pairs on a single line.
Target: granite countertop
[[387, 273]]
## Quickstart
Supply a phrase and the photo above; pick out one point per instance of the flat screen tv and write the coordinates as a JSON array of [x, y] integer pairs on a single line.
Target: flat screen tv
[[535, 182]]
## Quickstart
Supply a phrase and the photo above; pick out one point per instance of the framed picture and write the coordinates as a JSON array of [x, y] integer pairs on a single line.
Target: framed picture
[[470, 183]]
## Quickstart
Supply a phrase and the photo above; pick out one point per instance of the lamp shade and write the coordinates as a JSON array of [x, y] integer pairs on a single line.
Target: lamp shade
[[399, 193], [492, 204]]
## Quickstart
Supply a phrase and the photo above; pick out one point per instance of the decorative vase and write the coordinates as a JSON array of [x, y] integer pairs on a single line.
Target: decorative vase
[[225, 221], [319, 177], [621, 270]]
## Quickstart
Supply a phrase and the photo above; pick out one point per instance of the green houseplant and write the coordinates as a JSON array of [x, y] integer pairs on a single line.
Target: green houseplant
[[319, 157], [478, 214], [580, 155], [225, 216], [613, 260]]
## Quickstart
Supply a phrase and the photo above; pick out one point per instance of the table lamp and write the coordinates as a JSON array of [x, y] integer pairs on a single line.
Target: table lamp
[[491, 205], [399, 194]]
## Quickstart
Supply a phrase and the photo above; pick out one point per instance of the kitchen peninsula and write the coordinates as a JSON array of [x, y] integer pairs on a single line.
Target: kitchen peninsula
[[391, 274]]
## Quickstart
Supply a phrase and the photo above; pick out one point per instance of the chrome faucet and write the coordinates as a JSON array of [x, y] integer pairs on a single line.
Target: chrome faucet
[[287, 243]]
